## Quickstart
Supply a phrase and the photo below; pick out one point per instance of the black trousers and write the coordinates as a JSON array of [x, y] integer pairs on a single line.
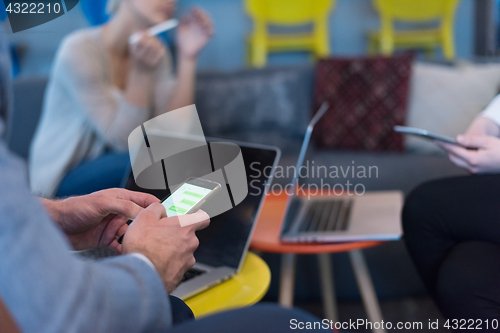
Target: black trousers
[[452, 231], [260, 318], [180, 311]]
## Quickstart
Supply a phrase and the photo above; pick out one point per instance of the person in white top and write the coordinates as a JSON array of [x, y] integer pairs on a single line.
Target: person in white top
[[102, 87], [452, 229]]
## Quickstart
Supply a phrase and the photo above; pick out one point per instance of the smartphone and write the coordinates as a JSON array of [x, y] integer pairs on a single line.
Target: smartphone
[[190, 196], [425, 134], [187, 198]]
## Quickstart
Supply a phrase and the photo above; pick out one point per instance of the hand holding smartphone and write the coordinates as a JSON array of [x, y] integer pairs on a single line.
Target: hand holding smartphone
[[190, 196], [187, 198]]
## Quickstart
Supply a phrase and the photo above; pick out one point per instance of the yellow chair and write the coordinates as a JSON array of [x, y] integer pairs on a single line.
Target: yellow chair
[[414, 11], [288, 13], [244, 289]]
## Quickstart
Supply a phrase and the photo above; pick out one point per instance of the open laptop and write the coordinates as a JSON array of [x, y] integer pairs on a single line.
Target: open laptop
[[330, 218], [224, 244]]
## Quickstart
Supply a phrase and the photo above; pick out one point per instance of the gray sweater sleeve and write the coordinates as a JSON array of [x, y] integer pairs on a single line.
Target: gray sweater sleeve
[[82, 72], [47, 289]]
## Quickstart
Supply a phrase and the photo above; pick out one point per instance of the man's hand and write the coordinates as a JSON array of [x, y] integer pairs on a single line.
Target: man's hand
[[486, 159], [97, 219], [162, 240]]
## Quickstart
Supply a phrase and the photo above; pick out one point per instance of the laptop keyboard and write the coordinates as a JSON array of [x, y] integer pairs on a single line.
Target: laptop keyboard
[[192, 273], [327, 215]]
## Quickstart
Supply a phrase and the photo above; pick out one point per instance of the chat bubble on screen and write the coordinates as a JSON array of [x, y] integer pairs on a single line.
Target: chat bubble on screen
[[167, 150]]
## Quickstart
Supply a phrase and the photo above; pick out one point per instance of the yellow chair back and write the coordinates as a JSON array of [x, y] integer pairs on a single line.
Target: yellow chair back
[[288, 12], [416, 10]]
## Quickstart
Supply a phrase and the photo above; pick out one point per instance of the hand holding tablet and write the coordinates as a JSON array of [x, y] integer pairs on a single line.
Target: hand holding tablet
[[476, 153], [425, 134]]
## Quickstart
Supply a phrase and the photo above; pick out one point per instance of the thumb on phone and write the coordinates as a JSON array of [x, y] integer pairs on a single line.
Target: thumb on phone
[[200, 217], [473, 141]]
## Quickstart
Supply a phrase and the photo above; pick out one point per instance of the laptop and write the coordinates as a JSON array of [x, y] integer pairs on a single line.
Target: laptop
[[224, 244], [343, 218]]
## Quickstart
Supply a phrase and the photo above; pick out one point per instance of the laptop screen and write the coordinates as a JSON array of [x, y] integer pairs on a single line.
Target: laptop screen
[[224, 242]]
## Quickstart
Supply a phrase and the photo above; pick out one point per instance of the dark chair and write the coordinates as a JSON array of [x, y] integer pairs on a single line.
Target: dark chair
[[27, 104]]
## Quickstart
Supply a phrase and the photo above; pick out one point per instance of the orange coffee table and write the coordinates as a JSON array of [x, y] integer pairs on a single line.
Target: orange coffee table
[[266, 239]]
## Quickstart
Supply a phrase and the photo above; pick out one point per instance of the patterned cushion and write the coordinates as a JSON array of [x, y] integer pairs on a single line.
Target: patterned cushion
[[367, 97]]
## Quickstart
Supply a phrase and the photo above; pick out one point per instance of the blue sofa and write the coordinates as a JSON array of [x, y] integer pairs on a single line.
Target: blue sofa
[[273, 106]]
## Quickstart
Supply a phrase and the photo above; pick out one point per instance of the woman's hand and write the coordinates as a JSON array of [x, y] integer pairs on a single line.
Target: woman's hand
[[486, 159], [194, 32], [147, 53]]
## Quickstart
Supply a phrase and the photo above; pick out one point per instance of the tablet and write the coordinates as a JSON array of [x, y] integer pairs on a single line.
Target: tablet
[[425, 134]]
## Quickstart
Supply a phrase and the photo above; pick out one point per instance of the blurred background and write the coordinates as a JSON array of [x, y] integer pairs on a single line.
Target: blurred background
[[349, 23], [256, 87]]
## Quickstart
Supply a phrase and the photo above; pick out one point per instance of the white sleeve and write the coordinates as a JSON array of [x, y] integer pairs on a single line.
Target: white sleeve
[[81, 72], [492, 111]]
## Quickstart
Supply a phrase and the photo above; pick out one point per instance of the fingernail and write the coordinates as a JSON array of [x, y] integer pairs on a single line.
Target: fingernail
[[197, 217], [202, 212]]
